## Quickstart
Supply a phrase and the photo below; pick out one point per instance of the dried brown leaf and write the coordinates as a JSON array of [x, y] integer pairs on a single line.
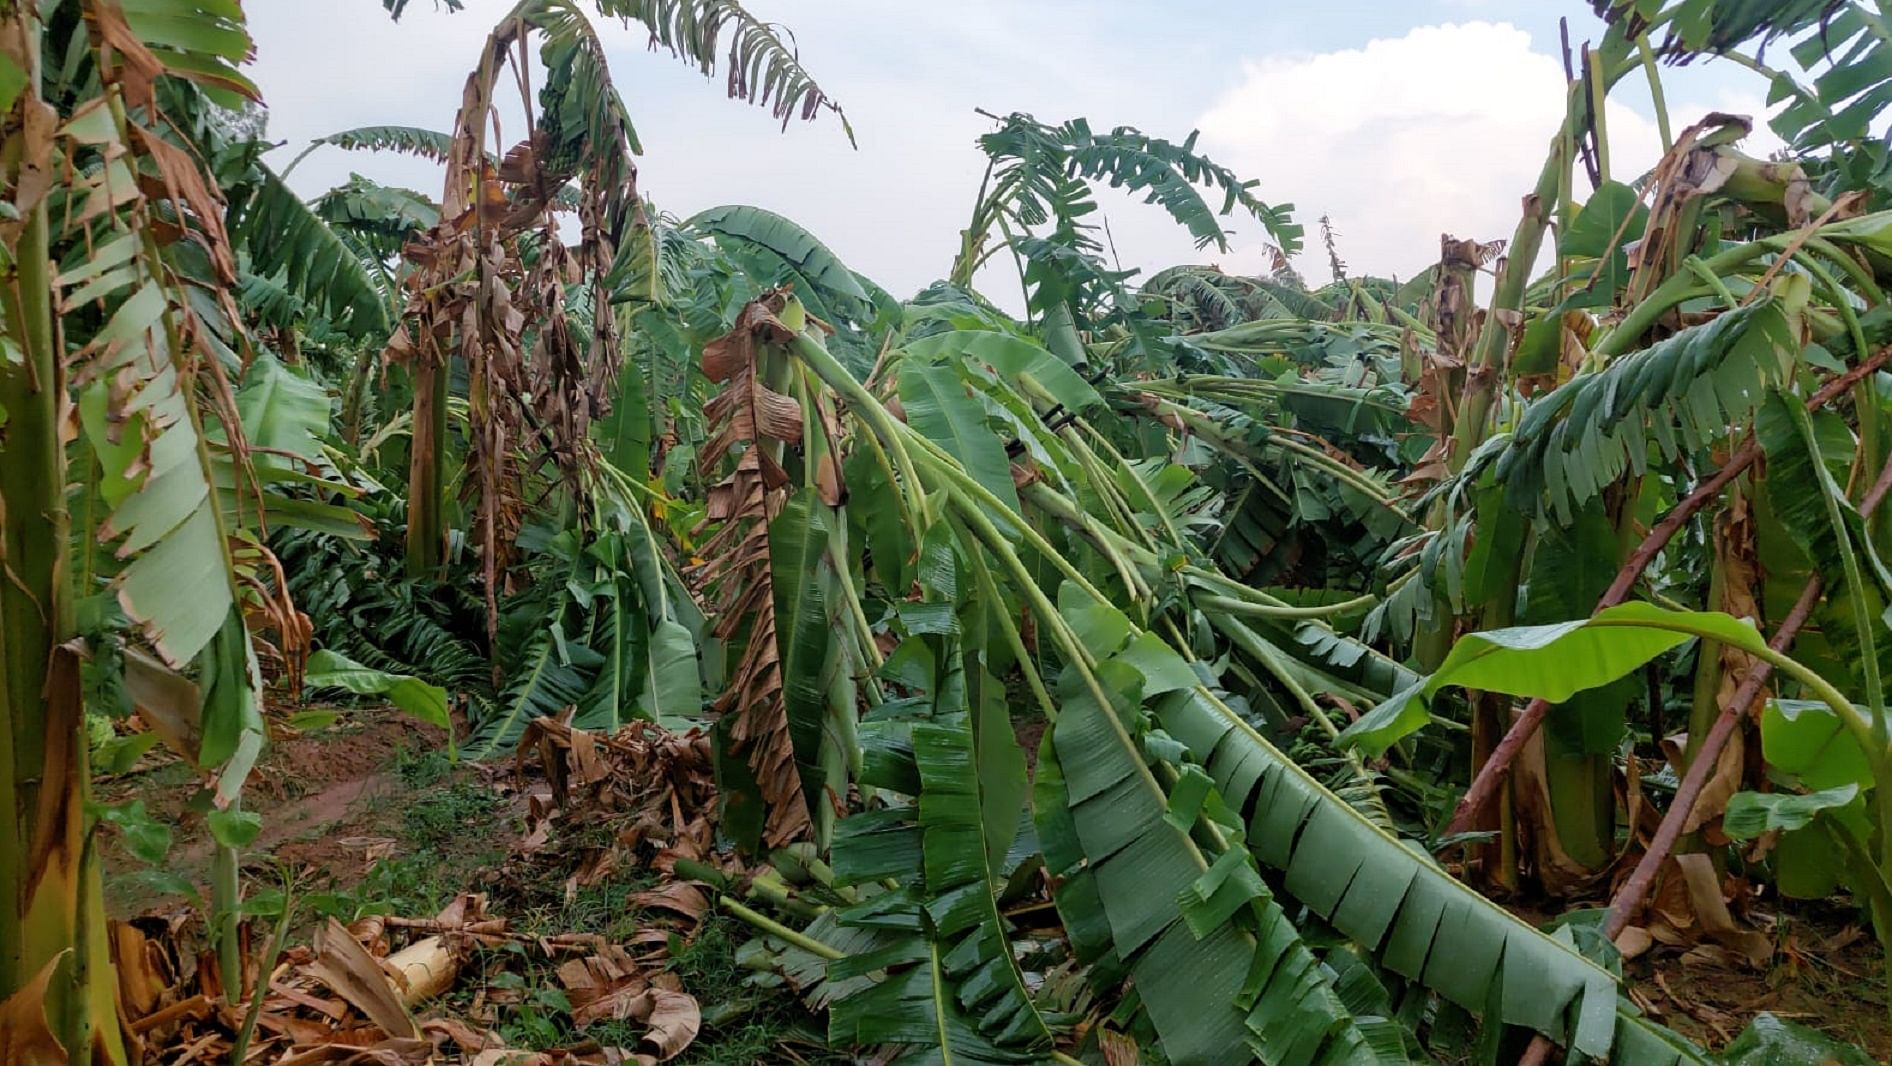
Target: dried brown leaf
[[342, 964], [737, 577], [469, 1039], [674, 1019], [683, 897], [396, 1052], [1633, 941], [25, 1036]]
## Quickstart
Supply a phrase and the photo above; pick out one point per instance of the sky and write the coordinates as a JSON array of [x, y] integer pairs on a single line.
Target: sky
[[1398, 119]]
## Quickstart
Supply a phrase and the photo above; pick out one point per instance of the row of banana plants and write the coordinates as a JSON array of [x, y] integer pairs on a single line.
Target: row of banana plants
[[1686, 408]]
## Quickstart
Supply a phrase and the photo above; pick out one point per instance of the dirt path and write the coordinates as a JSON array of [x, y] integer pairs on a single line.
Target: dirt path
[[329, 800]]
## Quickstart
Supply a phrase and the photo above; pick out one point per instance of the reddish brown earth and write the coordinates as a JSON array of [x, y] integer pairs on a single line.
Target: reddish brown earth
[[1827, 973], [329, 800]]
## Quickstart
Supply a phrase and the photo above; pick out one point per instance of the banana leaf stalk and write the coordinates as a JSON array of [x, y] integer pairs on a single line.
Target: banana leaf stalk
[[1629, 899]]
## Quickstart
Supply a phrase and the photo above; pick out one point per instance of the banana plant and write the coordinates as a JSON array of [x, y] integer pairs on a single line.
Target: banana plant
[[118, 312], [1588, 405], [1157, 806], [1035, 196], [1824, 743], [1711, 331], [492, 211], [850, 534]]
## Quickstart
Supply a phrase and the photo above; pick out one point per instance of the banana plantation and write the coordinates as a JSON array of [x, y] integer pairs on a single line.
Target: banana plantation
[[508, 622]]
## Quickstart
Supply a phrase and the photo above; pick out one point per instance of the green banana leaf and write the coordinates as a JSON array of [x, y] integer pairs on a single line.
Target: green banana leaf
[[798, 539], [331, 669], [1823, 523], [951, 746], [553, 673], [1170, 906], [1671, 398], [1020, 361], [1552, 662], [939, 407]]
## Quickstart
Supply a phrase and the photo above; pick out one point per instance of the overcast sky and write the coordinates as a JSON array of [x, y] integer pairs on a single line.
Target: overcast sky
[[1400, 119]]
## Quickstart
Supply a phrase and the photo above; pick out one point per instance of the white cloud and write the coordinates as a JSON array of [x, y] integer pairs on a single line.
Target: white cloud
[[892, 209], [1439, 131], [1442, 129]]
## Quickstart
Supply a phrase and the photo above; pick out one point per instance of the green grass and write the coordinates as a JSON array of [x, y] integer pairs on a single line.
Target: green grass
[[447, 836], [758, 1020], [742, 1024], [419, 769]]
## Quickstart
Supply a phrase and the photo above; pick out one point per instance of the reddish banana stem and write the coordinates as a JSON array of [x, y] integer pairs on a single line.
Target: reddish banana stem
[[1490, 776], [1538, 1053], [1497, 767], [1630, 897]]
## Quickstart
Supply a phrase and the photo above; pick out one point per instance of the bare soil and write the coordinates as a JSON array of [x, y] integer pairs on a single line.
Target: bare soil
[[329, 801], [1827, 973]]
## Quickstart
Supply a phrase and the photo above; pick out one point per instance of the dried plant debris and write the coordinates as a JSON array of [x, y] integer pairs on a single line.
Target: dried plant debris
[[401, 989]]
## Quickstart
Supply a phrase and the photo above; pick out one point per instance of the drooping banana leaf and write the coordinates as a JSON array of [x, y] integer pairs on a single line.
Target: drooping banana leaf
[[953, 749], [913, 1003], [1037, 164], [1421, 923], [552, 674], [647, 669], [809, 645], [284, 237], [427, 702], [1170, 905], [965, 976], [646, 628], [802, 250], [938, 406], [1677, 395], [1021, 361], [1647, 1043], [137, 416], [1552, 662], [281, 411], [1825, 525], [285, 417]]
